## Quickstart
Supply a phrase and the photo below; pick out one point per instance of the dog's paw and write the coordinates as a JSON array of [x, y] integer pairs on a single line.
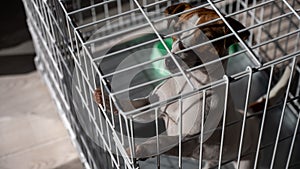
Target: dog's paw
[[140, 152], [98, 100], [258, 105], [98, 96]]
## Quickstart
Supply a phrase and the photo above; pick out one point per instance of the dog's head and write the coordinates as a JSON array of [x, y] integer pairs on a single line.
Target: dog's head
[[196, 36]]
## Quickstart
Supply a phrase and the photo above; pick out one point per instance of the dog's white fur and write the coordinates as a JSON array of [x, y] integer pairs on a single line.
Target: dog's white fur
[[191, 125], [191, 117], [191, 120]]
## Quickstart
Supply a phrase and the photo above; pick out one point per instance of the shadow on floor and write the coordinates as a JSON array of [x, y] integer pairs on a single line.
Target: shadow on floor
[[14, 31], [16, 64]]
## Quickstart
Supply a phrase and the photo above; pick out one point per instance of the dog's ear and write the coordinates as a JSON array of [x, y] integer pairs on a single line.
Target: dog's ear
[[236, 26], [177, 8], [174, 9]]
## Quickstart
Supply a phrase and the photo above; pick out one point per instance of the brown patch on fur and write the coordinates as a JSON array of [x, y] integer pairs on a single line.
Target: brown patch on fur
[[212, 30]]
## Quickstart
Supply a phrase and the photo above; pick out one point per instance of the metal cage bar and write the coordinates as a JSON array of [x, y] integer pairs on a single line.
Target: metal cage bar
[[67, 35]]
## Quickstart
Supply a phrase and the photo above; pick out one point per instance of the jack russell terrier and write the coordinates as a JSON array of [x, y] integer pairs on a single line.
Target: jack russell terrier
[[191, 108]]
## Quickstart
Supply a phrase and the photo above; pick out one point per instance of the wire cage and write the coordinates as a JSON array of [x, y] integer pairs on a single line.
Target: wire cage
[[157, 108]]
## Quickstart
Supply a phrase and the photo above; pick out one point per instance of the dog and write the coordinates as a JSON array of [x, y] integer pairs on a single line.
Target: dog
[[192, 106]]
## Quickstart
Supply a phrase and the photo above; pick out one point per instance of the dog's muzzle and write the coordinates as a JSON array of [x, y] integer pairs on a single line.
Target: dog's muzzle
[[169, 62]]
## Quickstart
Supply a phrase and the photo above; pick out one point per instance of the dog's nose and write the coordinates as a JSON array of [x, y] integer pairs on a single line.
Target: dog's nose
[[180, 45], [177, 46]]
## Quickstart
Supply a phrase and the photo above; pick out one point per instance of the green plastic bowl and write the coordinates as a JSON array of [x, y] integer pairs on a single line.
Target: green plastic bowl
[[160, 51]]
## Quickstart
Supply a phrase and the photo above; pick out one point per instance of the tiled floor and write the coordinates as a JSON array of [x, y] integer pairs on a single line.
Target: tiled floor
[[32, 135], [31, 132]]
